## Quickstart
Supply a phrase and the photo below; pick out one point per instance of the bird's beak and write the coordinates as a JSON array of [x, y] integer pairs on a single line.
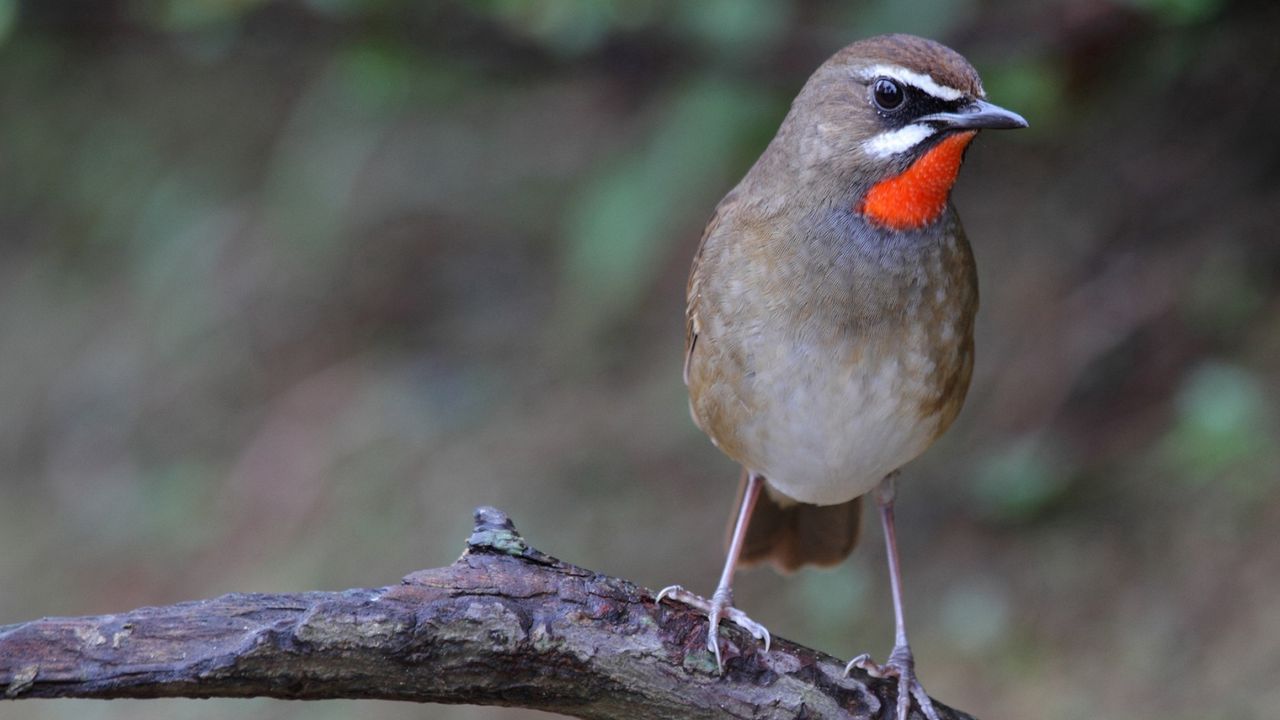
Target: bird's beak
[[978, 115]]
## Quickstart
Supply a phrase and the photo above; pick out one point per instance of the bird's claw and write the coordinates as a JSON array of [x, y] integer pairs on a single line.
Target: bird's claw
[[719, 606], [758, 631], [901, 665]]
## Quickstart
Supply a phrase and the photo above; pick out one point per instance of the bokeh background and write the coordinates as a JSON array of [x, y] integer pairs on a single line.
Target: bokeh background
[[288, 288]]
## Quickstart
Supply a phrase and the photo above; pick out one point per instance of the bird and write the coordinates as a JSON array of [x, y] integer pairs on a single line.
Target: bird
[[830, 316]]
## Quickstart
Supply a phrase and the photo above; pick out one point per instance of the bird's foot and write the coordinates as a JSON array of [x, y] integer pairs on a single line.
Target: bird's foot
[[902, 666], [719, 606]]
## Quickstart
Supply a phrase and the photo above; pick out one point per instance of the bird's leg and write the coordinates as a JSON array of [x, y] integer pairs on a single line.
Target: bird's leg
[[721, 603], [901, 664]]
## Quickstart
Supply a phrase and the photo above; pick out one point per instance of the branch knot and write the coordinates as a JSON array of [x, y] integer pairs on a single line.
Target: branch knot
[[494, 532]]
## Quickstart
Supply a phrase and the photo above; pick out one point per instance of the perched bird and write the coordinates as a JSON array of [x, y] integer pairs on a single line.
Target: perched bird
[[829, 332]]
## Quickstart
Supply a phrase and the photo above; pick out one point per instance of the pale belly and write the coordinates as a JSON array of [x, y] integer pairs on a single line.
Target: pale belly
[[827, 369], [825, 430]]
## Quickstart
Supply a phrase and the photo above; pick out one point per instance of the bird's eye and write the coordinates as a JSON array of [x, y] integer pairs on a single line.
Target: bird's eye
[[888, 94]]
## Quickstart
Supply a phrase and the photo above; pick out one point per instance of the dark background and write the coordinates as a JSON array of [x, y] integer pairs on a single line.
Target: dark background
[[287, 288]]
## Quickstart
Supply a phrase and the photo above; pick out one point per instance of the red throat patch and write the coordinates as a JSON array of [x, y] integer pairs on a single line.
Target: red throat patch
[[917, 196]]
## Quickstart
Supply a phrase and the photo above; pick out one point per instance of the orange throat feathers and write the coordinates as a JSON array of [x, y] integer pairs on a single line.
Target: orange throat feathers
[[917, 196]]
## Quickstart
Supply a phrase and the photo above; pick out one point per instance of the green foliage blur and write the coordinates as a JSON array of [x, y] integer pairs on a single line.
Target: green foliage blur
[[288, 288]]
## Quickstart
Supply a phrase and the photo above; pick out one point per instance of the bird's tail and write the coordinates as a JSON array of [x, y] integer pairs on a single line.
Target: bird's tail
[[792, 534]]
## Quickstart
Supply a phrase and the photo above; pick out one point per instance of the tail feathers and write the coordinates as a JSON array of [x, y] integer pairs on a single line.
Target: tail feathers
[[791, 534]]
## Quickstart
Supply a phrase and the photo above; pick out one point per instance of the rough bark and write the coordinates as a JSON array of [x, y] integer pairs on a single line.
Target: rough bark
[[504, 625]]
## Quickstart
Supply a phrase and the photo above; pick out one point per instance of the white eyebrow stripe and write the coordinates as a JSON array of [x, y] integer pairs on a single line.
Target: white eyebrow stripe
[[892, 142], [910, 77]]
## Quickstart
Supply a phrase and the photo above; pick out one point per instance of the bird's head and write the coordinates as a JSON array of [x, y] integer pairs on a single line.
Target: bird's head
[[888, 119]]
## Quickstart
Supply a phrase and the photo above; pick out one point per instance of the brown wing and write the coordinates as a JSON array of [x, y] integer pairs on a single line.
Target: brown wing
[[695, 280]]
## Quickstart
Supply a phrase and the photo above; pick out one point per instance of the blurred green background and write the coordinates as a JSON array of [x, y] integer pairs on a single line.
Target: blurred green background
[[288, 288]]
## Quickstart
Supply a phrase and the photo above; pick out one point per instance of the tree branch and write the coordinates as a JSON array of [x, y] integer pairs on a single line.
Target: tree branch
[[504, 625]]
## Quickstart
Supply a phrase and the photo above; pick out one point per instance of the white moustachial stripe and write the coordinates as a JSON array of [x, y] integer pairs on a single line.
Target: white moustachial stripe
[[892, 142], [913, 78]]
